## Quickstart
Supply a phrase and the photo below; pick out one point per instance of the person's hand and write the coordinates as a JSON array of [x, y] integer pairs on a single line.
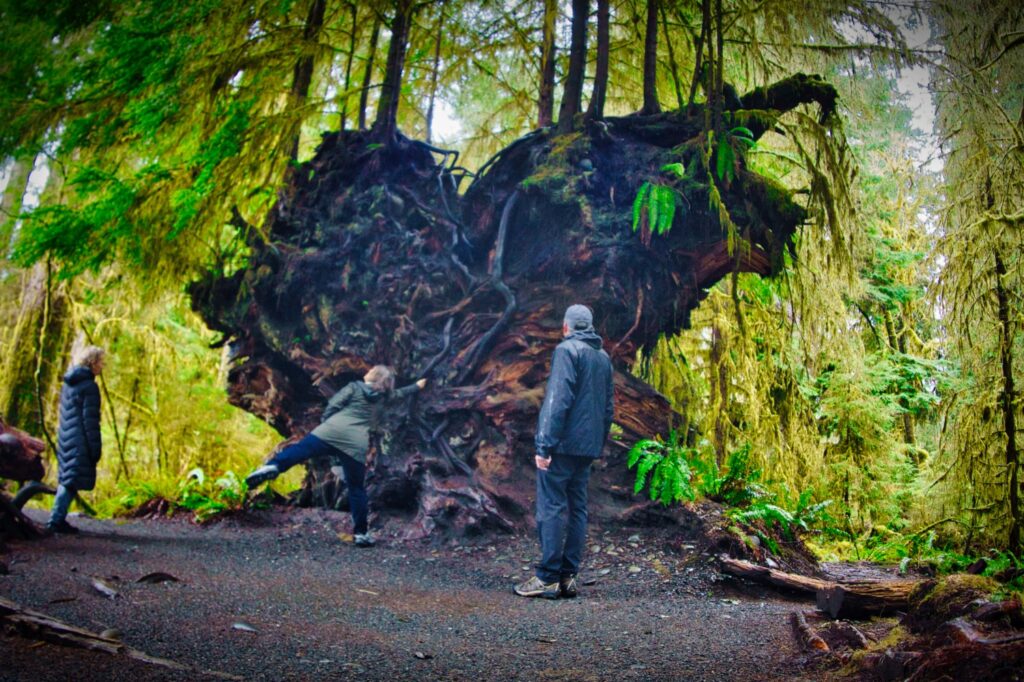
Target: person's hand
[[542, 462], [421, 383]]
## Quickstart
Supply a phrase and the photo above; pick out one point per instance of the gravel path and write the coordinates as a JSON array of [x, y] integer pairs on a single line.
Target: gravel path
[[324, 609]]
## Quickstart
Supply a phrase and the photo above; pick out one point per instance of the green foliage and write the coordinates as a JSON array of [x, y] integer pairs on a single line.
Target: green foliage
[[725, 154], [660, 202], [205, 498], [668, 466]]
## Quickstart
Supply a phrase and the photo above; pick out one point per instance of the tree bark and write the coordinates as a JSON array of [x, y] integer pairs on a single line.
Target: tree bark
[[435, 71], [651, 104], [353, 34], [1007, 401], [302, 77], [10, 203], [855, 600], [385, 126], [20, 455], [596, 108], [672, 59], [805, 633], [36, 347], [762, 574], [572, 94], [364, 94], [546, 95]]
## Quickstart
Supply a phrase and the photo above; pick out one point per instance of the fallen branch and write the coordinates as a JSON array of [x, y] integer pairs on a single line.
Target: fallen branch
[[1010, 608], [959, 631], [805, 634], [771, 576], [36, 625]]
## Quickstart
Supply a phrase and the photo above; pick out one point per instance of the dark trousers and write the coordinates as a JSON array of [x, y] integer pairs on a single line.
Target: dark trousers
[[312, 447], [562, 515]]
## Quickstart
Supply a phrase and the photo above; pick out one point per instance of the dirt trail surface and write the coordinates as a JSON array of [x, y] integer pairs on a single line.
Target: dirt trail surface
[[321, 608]]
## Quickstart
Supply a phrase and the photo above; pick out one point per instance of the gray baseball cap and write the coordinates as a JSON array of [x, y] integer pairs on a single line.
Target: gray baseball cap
[[578, 317]]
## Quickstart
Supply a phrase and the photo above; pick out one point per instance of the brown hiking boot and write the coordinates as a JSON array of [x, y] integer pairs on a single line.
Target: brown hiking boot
[[535, 587], [568, 587]]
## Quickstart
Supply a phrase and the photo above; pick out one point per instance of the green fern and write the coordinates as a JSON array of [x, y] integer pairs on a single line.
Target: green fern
[[667, 465], [638, 204]]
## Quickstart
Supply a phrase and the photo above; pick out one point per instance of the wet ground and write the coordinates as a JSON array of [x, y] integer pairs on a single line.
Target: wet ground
[[280, 596]]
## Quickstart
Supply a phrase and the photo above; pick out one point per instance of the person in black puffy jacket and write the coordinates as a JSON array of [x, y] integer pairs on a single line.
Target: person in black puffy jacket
[[571, 432], [79, 446]]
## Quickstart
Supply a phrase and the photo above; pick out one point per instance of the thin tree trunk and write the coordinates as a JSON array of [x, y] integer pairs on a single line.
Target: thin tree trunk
[[385, 126], [573, 92], [698, 61], [672, 59], [546, 96], [651, 105], [434, 75], [36, 347], [364, 96], [303, 74], [353, 33], [1007, 402], [10, 203], [708, 71], [596, 108], [719, 79]]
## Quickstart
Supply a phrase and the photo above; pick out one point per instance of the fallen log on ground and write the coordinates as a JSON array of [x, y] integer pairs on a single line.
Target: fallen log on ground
[[866, 598], [1010, 609], [771, 576], [840, 600], [805, 634], [39, 626]]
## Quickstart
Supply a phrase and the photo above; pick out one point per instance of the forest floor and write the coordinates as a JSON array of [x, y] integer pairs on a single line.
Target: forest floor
[[279, 595]]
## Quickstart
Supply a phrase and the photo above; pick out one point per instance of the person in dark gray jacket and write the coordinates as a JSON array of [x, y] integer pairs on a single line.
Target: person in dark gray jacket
[[571, 432], [343, 437], [79, 445]]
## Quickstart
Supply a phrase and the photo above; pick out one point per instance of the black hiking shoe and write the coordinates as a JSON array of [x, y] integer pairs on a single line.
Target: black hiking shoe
[[61, 527], [535, 587], [568, 587]]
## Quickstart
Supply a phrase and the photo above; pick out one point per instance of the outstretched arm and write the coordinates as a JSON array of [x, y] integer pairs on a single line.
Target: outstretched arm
[[410, 389]]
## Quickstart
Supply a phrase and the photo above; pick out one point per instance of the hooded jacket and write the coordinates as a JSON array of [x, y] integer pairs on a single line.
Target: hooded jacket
[[79, 446], [352, 413], [578, 402]]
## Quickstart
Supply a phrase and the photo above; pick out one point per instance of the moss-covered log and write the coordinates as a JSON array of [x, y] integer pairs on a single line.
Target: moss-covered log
[[374, 256]]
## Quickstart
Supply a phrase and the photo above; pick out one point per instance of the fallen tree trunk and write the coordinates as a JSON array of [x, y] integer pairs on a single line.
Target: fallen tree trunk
[[39, 626], [866, 598], [771, 576]]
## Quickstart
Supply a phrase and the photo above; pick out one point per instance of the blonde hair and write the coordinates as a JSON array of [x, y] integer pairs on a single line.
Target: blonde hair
[[381, 378], [89, 356]]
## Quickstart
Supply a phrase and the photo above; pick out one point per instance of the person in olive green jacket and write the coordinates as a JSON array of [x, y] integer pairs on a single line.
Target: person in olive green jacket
[[344, 437]]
